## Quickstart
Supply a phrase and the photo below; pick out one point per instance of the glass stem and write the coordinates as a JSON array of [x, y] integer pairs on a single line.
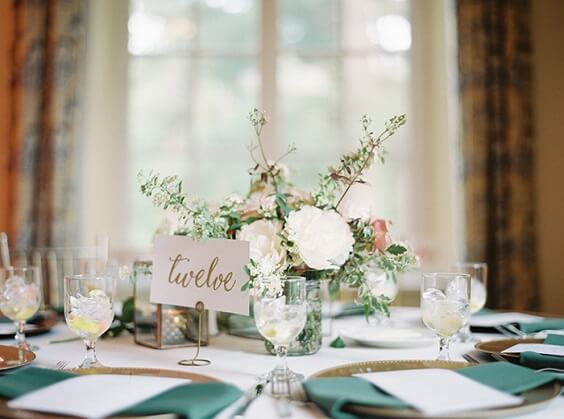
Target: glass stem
[[90, 360], [20, 335], [443, 349], [466, 334], [281, 370]]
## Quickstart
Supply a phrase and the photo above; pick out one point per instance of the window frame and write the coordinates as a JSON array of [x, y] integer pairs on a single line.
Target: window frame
[[105, 128]]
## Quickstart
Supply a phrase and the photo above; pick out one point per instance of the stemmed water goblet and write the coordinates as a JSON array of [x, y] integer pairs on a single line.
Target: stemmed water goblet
[[478, 272], [445, 306], [20, 297], [280, 316], [89, 310]]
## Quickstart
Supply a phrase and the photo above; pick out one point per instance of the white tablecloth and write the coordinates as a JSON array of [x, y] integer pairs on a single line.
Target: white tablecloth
[[239, 360]]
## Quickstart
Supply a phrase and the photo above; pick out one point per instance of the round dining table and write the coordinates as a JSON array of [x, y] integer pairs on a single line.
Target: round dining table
[[240, 360]]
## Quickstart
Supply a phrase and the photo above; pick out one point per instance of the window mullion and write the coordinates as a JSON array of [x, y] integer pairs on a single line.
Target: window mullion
[[343, 97], [195, 132], [268, 64]]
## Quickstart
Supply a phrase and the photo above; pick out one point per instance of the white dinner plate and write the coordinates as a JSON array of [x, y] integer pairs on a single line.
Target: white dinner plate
[[388, 337]]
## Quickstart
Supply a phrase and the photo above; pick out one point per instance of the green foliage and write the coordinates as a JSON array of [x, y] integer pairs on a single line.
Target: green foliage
[[338, 343], [197, 220], [353, 165], [124, 322]]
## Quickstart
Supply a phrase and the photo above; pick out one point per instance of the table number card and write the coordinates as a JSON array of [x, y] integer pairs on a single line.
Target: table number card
[[212, 271]]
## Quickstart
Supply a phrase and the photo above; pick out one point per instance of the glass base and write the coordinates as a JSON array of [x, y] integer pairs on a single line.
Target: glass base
[[291, 376], [465, 336], [90, 363], [90, 360], [465, 339], [25, 346]]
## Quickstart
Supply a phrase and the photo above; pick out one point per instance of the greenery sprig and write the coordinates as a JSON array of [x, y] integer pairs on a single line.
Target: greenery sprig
[[353, 165]]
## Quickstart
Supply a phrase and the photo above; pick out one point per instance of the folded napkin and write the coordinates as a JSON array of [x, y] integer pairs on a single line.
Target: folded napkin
[[192, 401], [537, 326], [351, 309], [536, 360], [332, 395], [507, 377]]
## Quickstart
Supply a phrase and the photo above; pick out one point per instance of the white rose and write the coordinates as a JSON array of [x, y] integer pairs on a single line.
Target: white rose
[[260, 202], [265, 244], [358, 202], [323, 238]]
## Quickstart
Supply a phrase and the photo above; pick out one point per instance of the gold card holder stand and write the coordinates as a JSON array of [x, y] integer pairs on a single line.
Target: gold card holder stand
[[195, 361]]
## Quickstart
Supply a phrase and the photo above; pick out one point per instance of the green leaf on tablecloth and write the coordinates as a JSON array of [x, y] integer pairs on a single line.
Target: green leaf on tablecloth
[[338, 343]]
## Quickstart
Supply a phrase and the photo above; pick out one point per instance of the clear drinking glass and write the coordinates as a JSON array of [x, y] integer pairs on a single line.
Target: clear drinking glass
[[381, 283], [20, 297], [89, 310], [478, 272], [445, 306], [280, 316]]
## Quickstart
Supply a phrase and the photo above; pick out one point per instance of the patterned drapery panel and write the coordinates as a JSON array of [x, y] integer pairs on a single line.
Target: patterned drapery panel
[[497, 146], [45, 60]]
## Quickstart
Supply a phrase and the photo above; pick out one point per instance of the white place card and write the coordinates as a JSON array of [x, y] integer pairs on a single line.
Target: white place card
[[212, 271], [497, 319], [95, 396], [7, 328], [438, 391], [540, 348]]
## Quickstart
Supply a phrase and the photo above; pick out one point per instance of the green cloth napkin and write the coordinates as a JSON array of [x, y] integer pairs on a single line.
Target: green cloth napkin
[[351, 309], [546, 324], [333, 394], [29, 379], [536, 360], [507, 377], [193, 401], [484, 311]]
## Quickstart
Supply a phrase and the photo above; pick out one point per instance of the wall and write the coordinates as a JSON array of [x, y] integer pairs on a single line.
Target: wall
[[104, 113], [548, 101], [434, 122]]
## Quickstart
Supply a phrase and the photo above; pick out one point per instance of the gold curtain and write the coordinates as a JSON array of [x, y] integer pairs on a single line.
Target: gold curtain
[[41, 55], [495, 86]]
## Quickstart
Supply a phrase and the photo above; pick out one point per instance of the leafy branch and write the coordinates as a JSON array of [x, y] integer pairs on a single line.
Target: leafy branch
[[198, 220], [353, 165]]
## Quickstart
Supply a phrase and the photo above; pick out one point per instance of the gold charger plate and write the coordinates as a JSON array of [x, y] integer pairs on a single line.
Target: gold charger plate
[[496, 347], [6, 412], [48, 320], [10, 358], [533, 400]]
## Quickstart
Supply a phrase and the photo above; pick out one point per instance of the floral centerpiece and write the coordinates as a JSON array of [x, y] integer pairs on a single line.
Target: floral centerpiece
[[324, 234]]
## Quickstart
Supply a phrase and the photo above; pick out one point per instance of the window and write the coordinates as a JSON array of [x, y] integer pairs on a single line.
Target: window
[[197, 67]]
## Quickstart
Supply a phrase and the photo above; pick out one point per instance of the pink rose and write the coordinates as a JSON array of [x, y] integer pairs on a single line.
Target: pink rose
[[381, 236]]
